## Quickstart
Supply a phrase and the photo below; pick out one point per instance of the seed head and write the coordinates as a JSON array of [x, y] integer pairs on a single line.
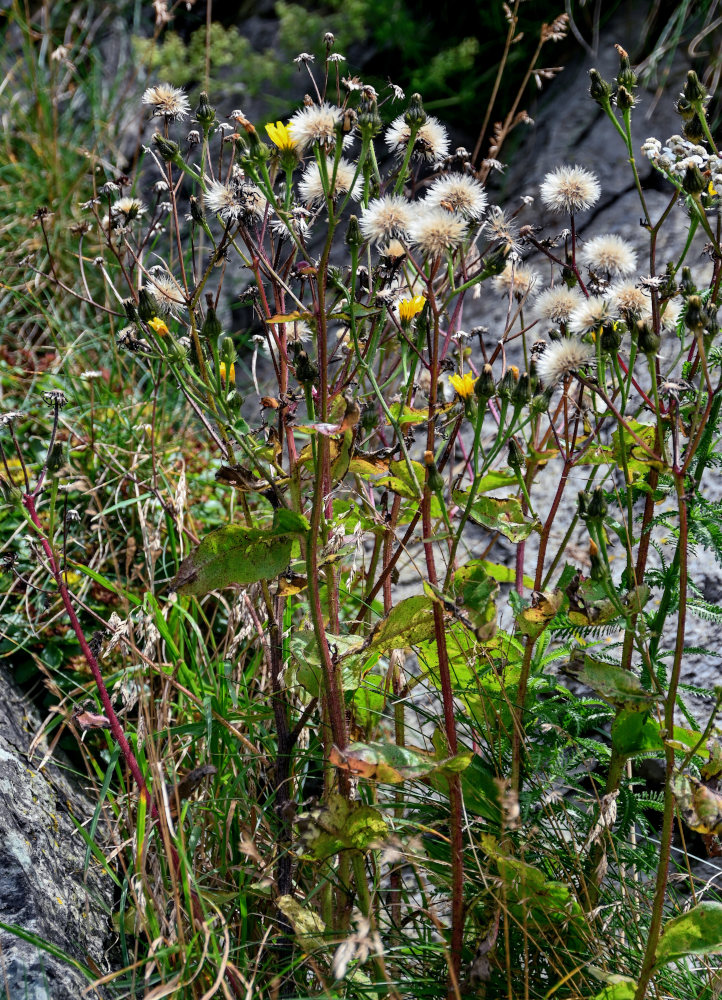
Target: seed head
[[630, 302], [436, 232], [557, 304], [561, 359], [611, 254], [517, 277], [591, 314], [570, 189], [315, 123], [431, 143], [167, 102], [458, 193], [386, 218], [311, 186]]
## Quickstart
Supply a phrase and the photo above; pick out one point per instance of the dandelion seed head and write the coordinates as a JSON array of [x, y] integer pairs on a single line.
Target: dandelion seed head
[[316, 123], [557, 304], [671, 314], [592, 313], [166, 291], [386, 218], [561, 359], [458, 193], [431, 143], [434, 231], [129, 208], [609, 253], [167, 102], [630, 302], [502, 230], [311, 186], [570, 189]]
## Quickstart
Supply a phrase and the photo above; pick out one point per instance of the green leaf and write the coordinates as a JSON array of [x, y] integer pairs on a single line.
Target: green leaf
[[409, 415], [233, 555], [476, 591], [410, 622], [696, 932], [341, 825], [502, 514], [309, 668], [392, 764], [288, 522], [400, 480], [618, 991]]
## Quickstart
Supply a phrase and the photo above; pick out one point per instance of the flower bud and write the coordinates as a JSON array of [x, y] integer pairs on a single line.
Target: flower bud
[[693, 89], [693, 182], [684, 109], [354, 239], [168, 149], [211, 329], [599, 89], [583, 500], [147, 307], [515, 457], [369, 119], [541, 402], [624, 99], [611, 337], [598, 571], [485, 387], [647, 340], [436, 480], [197, 210], [507, 384], [597, 509], [55, 458], [626, 77], [415, 115], [131, 311], [205, 114], [306, 370], [687, 285], [521, 394], [694, 315], [694, 130]]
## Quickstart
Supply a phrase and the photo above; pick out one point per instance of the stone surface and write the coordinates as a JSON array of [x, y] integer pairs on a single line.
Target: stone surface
[[43, 886]]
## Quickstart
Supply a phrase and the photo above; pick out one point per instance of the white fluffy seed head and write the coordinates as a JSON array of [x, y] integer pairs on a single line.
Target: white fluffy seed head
[[166, 291], [562, 358], [167, 102], [434, 231], [386, 218], [431, 143], [311, 186], [316, 123], [556, 305], [593, 312], [610, 254], [458, 193], [570, 189], [630, 302]]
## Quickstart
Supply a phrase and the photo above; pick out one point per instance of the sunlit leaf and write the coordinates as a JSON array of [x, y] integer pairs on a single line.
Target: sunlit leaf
[[409, 622], [503, 514], [696, 932], [233, 555]]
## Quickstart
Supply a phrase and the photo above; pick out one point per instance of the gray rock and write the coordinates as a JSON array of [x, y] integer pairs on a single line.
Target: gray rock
[[43, 886]]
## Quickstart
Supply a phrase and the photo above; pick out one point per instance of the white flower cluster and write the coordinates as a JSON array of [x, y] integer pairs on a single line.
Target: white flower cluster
[[679, 153]]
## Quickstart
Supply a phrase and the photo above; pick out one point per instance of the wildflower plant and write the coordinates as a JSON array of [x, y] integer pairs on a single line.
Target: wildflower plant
[[386, 529]]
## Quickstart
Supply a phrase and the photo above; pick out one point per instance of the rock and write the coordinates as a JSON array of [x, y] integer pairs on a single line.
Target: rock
[[43, 887]]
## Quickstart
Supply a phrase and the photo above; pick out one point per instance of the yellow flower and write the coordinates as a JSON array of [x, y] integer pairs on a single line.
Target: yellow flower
[[464, 385], [408, 308], [158, 325], [711, 189], [280, 135], [232, 373]]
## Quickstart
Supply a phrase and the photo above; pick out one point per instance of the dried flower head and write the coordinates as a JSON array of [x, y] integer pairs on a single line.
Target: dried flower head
[[561, 359], [609, 253], [434, 231], [237, 201], [670, 313], [386, 218], [166, 291], [630, 302], [316, 123], [458, 193], [593, 312], [502, 230], [431, 143], [516, 276], [296, 221], [570, 189], [167, 102], [311, 185], [557, 304], [128, 208], [298, 332]]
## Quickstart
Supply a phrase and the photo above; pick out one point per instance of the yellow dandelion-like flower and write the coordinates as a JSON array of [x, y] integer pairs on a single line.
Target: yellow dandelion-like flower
[[408, 308], [463, 385], [280, 135], [158, 325], [231, 375]]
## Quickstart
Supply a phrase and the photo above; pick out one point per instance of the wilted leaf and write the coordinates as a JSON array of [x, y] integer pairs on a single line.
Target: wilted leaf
[[409, 622], [392, 764], [503, 514], [700, 804], [476, 592], [532, 620], [696, 932], [233, 555], [307, 925], [408, 415], [401, 482], [341, 824]]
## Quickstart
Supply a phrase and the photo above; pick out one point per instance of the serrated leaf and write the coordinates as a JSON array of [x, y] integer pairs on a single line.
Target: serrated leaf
[[615, 685], [503, 514], [696, 932], [233, 555], [534, 618], [409, 622]]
